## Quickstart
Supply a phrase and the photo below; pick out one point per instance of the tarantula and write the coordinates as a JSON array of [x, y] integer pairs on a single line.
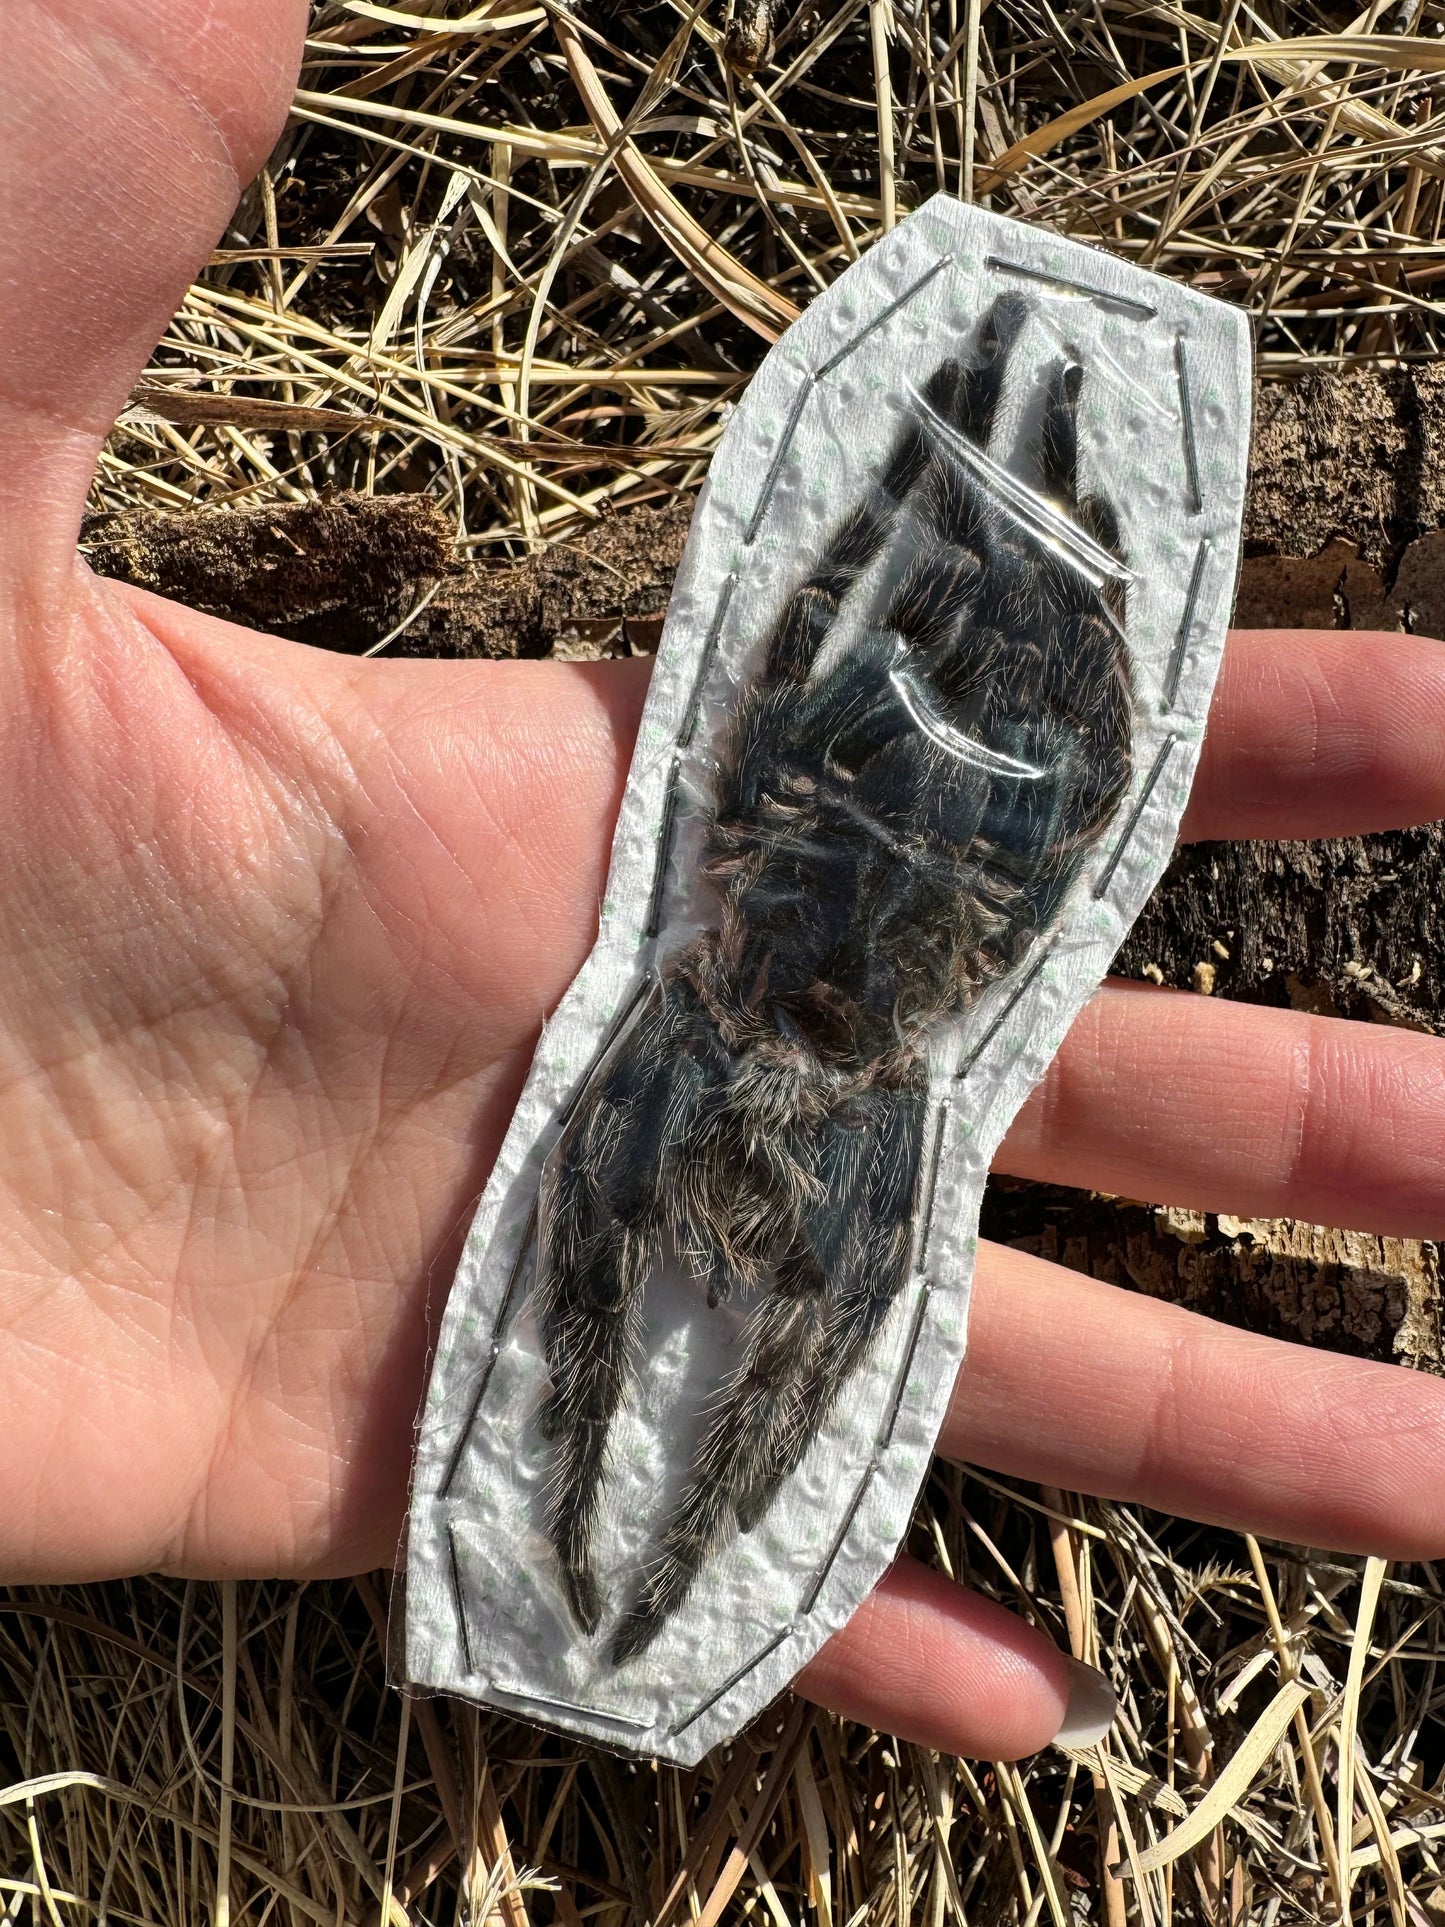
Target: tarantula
[[893, 822]]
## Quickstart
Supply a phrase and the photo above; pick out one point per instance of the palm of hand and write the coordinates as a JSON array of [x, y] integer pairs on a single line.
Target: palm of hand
[[278, 929], [275, 1002]]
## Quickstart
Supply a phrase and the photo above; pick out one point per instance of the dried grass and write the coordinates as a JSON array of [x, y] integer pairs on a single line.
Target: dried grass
[[525, 260], [526, 263], [229, 1753]]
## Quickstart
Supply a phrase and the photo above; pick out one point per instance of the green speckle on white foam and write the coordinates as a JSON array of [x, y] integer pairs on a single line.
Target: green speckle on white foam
[[965, 1128], [970, 1245]]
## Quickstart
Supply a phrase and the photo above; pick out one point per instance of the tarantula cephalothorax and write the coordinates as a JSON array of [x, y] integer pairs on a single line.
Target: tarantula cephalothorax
[[894, 821]]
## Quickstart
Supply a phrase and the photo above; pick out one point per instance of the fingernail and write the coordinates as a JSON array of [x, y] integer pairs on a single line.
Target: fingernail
[[1091, 1708]]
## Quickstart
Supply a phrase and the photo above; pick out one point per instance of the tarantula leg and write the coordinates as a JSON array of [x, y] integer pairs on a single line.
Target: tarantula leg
[[866, 1251], [1058, 462], [785, 1334], [833, 1291], [855, 707], [1029, 680], [1058, 448], [809, 612], [980, 381], [601, 1223]]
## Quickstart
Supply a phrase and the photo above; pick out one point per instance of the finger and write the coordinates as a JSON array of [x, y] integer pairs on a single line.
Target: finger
[[1080, 1384], [1322, 733], [129, 132], [1184, 1100], [926, 1660]]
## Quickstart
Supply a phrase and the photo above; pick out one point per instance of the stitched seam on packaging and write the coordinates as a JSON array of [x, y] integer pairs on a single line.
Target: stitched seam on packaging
[[1141, 803], [918, 1258], [504, 1312], [664, 849], [1025, 985], [1140, 308], [1186, 625], [1186, 412], [460, 1601]]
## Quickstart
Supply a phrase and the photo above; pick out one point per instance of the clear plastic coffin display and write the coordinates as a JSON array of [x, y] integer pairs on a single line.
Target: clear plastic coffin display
[[925, 714]]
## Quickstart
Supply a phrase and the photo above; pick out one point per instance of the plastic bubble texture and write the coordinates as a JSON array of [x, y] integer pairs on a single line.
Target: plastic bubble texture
[[925, 714]]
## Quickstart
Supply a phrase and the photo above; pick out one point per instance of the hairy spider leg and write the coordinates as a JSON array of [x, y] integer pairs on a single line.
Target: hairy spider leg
[[809, 612], [604, 1208], [804, 1341]]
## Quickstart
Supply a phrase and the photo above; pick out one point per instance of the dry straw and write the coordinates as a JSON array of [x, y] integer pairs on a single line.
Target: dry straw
[[525, 259]]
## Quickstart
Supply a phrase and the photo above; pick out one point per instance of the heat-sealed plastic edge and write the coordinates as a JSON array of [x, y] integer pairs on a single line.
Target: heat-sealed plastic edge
[[1163, 431]]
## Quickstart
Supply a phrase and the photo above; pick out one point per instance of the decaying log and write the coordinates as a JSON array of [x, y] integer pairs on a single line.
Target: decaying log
[[349, 570], [1374, 1297]]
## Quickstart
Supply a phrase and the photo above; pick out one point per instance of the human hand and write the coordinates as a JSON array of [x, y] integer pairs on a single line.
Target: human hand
[[278, 929]]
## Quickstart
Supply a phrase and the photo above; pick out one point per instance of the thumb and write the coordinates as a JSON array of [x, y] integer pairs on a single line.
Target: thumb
[[127, 132]]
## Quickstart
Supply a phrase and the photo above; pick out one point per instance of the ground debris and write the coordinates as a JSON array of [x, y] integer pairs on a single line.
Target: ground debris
[[1352, 927], [348, 571]]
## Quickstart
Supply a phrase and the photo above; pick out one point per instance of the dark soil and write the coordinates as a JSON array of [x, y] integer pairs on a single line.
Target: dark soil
[[346, 571]]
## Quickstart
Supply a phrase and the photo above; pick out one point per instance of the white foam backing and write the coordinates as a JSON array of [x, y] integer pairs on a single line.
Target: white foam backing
[[1163, 434]]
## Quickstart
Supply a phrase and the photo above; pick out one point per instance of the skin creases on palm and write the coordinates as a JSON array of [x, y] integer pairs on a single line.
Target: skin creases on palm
[[895, 820]]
